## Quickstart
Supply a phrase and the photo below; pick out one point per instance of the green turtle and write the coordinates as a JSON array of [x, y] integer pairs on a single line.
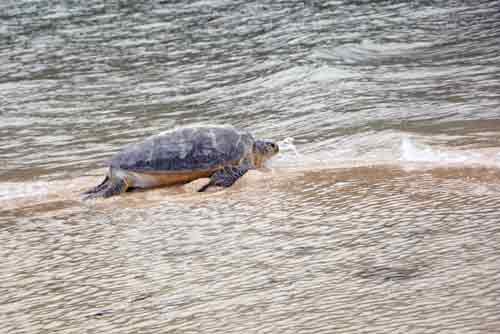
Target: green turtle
[[220, 152]]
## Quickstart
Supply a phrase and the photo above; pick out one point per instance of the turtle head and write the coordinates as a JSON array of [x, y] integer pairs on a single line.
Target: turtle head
[[263, 150]]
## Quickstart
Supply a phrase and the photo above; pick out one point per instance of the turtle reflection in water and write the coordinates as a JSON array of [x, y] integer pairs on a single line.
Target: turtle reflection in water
[[222, 153]]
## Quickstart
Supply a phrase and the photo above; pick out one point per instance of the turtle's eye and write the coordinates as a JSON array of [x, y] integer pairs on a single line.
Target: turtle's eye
[[274, 147]]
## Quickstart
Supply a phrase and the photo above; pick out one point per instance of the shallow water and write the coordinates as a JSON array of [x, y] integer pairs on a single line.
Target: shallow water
[[379, 215]]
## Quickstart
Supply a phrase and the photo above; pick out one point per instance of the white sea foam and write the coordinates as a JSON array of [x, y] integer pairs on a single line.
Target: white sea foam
[[390, 148], [416, 152], [287, 144], [412, 151], [289, 155]]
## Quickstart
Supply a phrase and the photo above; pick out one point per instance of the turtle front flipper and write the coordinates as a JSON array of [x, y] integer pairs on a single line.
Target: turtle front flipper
[[109, 187], [226, 176]]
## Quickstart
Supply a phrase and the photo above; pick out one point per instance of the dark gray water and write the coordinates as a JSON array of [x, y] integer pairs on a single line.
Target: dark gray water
[[381, 217]]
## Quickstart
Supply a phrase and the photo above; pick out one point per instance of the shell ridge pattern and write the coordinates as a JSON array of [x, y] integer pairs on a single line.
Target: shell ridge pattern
[[149, 160], [237, 147], [214, 140]]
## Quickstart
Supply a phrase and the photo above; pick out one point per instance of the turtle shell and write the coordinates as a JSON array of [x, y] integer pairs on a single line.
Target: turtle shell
[[186, 149]]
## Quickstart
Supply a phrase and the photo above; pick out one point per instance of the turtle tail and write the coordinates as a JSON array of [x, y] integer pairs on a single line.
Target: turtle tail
[[107, 188]]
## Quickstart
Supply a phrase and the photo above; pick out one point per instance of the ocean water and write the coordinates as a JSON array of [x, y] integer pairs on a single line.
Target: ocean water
[[380, 214]]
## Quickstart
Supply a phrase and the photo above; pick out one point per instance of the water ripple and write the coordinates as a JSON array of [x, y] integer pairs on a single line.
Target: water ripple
[[385, 221]]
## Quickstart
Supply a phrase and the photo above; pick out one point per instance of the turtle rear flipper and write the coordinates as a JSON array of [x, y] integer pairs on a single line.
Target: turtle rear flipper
[[109, 187], [226, 176], [98, 188]]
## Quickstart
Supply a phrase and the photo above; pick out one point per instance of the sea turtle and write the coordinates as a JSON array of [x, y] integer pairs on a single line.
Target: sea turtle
[[184, 154]]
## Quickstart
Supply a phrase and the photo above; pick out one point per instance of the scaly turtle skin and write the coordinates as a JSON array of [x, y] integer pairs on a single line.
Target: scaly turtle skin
[[222, 153]]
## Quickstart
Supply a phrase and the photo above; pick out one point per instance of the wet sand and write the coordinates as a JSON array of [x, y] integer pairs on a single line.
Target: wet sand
[[286, 250]]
